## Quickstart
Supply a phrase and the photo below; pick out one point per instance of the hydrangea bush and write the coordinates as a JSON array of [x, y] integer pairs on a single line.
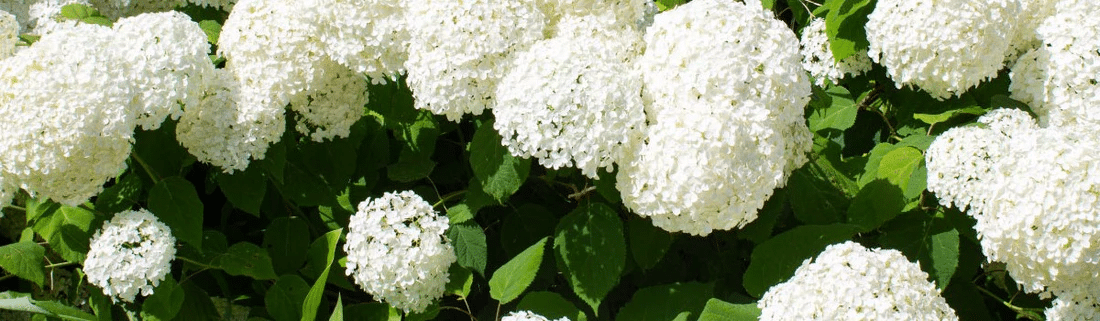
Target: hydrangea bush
[[549, 160]]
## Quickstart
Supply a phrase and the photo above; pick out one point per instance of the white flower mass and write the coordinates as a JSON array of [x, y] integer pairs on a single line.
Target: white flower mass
[[397, 250], [847, 281], [1033, 194], [459, 50], [726, 94], [818, 58], [9, 34], [368, 36], [333, 105], [131, 253], [943, 47], [528, 316], [575, 98], [1059, 79]]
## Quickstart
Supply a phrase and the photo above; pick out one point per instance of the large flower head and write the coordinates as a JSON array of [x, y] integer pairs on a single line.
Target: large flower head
[[634, 14], [167, 53], [726, 93], [227, 132], [397, 251], [66, 125], [1059, 79], [459, 50], [818, 59], [334, 104], [368, 36], [850, 282], [942, 46], [131, 253], [575, 98]]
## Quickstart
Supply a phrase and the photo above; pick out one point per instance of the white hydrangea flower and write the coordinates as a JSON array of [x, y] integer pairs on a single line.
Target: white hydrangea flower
[[626, 13], [44, 16], [226, 132], [1079, 305], [850, 282], [66, 127], [961, 161], [272, 47], [528, 316], [168, 56], [368, 36], [130, 254], [9, 34], [726, 94], [397, 250], [459, 49], [943, 47], [575, 98], [333, 105], [1032, 13], [1059, 79], [817, 57]]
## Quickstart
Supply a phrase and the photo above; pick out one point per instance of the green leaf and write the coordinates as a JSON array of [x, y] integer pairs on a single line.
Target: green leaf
[[550, 305], [274, 162], [470, 247], [874, 159], [24, 259], [898, 166], [338, 311], [284, 299], [591, 251], [159, 151], [176, 203], [512, 278], [775, 260], [67, 229], [500, 173], [666, 302], [844, 26], [833, 108], [877, 203], [244, 189], [197, 303], [213, 30], [165, 303], [78, 11], [101, 305], [814, 198], [761, 229], [930, 240], [23, 302], [527, 225], [419, 138], [459, 213], [718, 310], [246, 259], [932, 118], [460, 283], [121, 196], [664, 5], [287, 240], [313, 298], [648, 243]]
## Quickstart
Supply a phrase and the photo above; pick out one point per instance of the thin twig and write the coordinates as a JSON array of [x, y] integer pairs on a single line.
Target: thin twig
[[148, 170], [457, 309]]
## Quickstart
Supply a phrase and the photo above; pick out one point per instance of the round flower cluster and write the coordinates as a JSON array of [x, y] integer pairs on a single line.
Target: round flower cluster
[[1079, 305], [9, 34], [368, 36], [459, 50], [131, 253], [1059, 79], [626, 13], [37, 16], [574, 98], [333, 105], [528, 316], [962, 160], [66, 125], [397, 251], [725, 92], [171, 52], [931, 44], [226, 133], [818, 58], [272, 49], [1033, 193], [850, 282]]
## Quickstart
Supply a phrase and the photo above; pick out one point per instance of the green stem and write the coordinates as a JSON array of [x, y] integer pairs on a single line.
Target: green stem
[[448, 197], [59, 265], [1024, 312], [148, 169], [17, 208], [200, 264]]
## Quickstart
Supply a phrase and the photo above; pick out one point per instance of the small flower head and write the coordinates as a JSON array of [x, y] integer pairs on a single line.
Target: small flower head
[[130, 254]]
